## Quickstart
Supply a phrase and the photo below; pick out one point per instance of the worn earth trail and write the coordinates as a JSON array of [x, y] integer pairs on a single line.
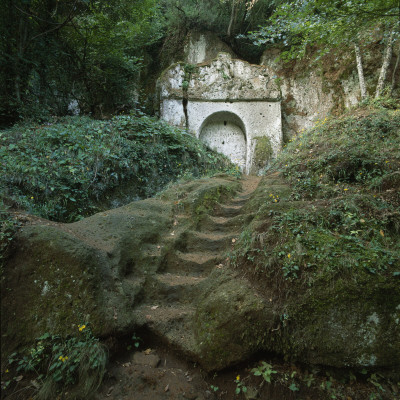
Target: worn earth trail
[[156, 371]]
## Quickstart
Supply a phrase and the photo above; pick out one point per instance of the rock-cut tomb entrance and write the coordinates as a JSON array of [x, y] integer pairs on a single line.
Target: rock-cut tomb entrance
[[229, 104], [225, 132]]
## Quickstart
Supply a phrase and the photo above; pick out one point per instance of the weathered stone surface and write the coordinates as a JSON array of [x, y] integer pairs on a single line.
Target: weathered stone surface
[[228, 103], [231, 321], [204, 46], [308, 96], [348, 325], [91, 271], [223, 78], [118, 271], [95, 270], [142, 358]]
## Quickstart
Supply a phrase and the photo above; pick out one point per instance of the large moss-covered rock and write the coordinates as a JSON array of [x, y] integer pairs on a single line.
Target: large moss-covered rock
[[341, 310], [231, 320], [62, 275], [96, 270], [352, 323]]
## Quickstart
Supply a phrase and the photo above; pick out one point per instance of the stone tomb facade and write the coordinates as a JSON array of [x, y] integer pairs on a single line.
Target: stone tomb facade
[[231, 105]]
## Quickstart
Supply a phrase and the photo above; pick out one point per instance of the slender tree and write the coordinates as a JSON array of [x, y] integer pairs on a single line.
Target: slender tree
[[329, 24]]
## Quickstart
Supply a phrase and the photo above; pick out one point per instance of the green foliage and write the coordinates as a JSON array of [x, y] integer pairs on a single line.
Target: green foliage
[[240, 386], [64, 170], [88, 51], [314, 243], [76, 362], [214, 388], [8, 228], [355, 149], [214, 15], [265, 370], [135, 341], [346, 172], [326, 24]]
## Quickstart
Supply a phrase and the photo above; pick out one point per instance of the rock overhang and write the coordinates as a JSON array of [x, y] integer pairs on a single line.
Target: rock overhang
[[190, 95]]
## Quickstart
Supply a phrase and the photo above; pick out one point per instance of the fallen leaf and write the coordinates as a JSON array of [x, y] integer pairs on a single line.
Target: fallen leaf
[[147, 352], [166, 388], [154, 307]]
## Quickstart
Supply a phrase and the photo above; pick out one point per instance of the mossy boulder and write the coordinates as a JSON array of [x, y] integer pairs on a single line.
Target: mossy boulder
[[96, 270], [231, 321], [351, 323], [91, 271], [336, 292], [262, 153]]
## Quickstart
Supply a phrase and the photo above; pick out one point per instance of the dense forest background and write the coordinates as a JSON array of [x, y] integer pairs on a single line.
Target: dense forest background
[[103, 56], [96, 55]]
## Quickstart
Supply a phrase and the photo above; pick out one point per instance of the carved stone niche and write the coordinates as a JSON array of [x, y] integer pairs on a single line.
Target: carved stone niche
[[233, 106]]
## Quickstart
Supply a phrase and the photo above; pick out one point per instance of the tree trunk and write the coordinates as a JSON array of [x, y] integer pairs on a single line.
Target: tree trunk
[[387, 57], [394, 75], [233, 18], [360, 71]]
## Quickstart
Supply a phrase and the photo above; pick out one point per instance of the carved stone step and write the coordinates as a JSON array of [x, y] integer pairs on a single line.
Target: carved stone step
[[168, 288], [207, 241], [220, 224], [195, 263], [173, 324], [228, 211]]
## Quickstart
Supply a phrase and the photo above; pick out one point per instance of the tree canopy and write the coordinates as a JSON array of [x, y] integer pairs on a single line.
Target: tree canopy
[[56, 51], [329, 24], [92, 53]]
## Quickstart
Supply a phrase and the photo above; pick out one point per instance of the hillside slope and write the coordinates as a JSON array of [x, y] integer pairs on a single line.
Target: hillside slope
[[305, 266]]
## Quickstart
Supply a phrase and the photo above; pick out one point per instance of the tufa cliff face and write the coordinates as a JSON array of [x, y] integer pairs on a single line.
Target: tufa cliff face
[[308, 90], [231, 105]]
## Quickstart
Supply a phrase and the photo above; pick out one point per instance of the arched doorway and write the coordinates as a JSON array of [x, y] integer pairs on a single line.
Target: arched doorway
[[224, 132]]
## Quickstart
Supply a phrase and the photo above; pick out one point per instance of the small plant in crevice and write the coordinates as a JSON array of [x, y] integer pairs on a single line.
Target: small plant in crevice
[[75, 364], [240, 386], [214, 388], [265, 370], [135, 342]]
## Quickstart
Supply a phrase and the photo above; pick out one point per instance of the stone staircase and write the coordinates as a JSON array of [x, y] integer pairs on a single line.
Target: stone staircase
[[169, 306]]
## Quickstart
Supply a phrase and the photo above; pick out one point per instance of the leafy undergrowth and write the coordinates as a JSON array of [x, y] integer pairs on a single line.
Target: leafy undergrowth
[[356, 153], [325, 235], [342, 212], [76, 166], [74, 365]]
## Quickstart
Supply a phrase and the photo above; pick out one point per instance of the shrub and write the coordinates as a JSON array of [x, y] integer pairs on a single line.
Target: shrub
[[76, 363], [72, 167]]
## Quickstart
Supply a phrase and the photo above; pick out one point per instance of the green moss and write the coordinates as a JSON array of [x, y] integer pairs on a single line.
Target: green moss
[[262, 151], [230, 321]]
